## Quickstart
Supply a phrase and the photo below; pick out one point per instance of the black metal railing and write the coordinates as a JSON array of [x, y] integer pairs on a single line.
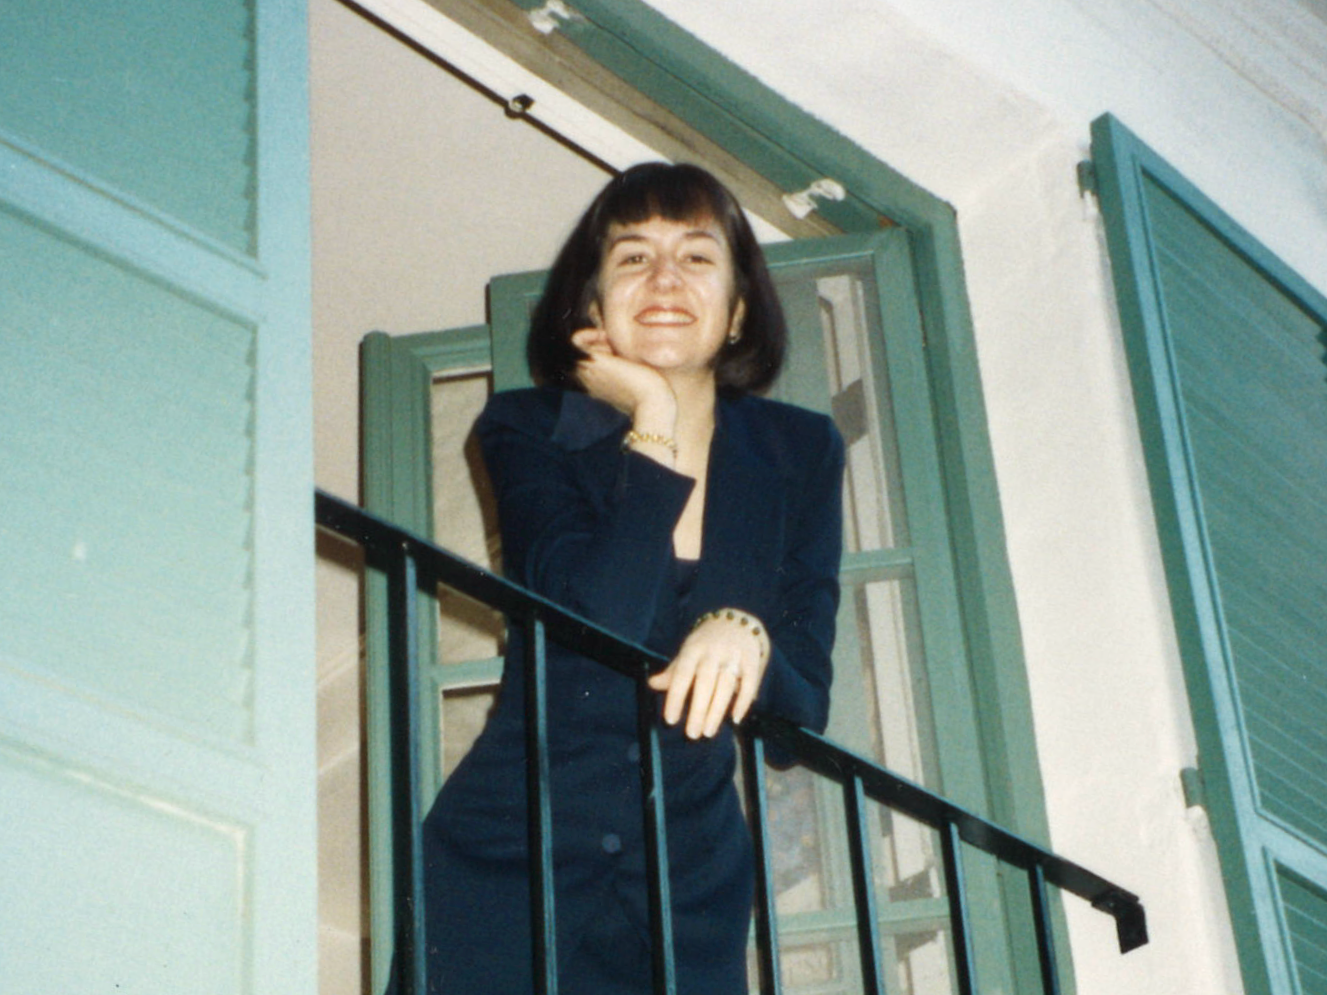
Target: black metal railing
[[413, 564]]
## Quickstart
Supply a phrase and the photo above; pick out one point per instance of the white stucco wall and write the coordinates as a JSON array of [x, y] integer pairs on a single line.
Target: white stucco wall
[[987, 104]]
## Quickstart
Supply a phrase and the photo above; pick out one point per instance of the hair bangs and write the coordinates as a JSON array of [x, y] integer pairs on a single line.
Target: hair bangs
[[677, 193]]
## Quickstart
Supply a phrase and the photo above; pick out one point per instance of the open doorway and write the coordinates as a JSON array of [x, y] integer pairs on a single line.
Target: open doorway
[[424, 187]]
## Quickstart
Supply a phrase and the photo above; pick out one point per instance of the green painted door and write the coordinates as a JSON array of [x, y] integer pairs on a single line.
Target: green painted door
[[156, 645]]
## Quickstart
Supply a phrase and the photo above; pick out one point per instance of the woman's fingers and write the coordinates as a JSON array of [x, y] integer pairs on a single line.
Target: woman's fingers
[[707, 693], [591, 340], [702, 688], [746, 692], [726, 682], [681, 673]]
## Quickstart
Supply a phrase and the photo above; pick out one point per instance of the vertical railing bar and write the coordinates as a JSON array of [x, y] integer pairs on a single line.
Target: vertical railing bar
[[757, 810], [538, 793], [407, 848], [656, 839], [960, 922], [863, 890], [1050, 976]]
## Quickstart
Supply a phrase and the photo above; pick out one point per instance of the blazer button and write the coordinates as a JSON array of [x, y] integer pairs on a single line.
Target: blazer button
[[633, 753], [612, 843]]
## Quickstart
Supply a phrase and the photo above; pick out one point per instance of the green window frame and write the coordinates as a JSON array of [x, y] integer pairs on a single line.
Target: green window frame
[[1226, 349]]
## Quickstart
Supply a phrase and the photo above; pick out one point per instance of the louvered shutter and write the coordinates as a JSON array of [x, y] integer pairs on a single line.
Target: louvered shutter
[[1229, 361]]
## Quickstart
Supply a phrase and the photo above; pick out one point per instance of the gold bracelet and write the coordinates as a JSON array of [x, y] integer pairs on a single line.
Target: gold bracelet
[[633, 438], [741, 618]]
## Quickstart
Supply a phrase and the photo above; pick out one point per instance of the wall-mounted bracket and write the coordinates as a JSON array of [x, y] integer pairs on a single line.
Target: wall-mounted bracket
[[802, 203], [545, 18]]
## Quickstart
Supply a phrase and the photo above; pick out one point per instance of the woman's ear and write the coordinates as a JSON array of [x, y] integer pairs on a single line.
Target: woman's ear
[[596, 314], [735, 322]]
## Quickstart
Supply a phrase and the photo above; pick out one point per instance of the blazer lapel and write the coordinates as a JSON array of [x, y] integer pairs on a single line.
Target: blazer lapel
[[744, 515]]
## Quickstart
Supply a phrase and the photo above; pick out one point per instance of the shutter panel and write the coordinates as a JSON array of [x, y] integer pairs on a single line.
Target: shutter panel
[[1306, 924], [155, 98], [157, 741], [1249, 362], [1227, 351], [133, 420]]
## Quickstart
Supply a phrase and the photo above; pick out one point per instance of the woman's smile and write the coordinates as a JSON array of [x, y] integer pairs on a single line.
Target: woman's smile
[[659, 315]]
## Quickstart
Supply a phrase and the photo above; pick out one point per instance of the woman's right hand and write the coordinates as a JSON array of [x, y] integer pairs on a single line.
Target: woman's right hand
[[635, 389]]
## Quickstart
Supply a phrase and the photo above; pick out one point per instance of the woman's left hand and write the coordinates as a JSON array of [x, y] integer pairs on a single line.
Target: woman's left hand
[[719, 667]]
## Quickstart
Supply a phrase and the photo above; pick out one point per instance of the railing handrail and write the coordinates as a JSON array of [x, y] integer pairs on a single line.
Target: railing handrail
[[861, 777]]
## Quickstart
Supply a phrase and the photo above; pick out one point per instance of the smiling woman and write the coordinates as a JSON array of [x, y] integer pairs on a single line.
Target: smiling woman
[[646, 488]]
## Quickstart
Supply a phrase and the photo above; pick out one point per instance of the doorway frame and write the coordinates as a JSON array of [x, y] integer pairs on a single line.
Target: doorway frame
[[630, 68]]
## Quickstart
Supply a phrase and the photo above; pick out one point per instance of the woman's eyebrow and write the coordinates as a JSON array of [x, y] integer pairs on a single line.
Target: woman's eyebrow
[[617, 240]]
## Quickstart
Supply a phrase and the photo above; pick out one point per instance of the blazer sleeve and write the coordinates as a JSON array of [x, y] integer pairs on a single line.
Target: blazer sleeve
[[797, 679], [590, 529]]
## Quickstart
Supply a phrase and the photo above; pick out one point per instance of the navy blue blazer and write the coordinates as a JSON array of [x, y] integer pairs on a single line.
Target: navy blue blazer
[[590, 526]]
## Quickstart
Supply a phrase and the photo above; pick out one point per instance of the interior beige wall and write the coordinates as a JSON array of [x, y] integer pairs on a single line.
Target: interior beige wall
[[422, 188]]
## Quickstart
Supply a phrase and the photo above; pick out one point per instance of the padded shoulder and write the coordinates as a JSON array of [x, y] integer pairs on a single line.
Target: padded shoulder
[[531, 410], [789, 434]]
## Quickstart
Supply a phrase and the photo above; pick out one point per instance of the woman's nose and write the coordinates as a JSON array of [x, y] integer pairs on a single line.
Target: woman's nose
[[664, 273]]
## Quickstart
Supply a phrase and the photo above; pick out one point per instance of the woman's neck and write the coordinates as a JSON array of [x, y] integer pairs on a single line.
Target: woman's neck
[[696, 398]]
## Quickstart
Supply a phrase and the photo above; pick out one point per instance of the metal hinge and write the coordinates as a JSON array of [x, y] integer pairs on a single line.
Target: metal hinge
[[1087, 178], [1195, 791]]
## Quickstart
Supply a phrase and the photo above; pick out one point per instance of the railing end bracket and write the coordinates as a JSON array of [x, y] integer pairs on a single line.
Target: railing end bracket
[[1130, 919]]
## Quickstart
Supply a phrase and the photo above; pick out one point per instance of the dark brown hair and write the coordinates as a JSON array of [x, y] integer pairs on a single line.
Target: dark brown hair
[[675, 193]]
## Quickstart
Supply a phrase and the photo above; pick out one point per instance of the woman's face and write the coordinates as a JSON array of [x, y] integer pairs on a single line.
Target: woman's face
[[666, 293]]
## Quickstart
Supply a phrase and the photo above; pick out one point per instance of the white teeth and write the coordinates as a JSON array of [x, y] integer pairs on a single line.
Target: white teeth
[[661, 316]]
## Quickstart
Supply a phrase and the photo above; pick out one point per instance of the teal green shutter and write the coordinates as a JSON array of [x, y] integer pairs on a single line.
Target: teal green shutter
[[1229, 362], [156, 643]]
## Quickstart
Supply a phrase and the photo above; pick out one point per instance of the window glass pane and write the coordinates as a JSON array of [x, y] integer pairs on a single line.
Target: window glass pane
[[463, 516], [860, 401], [795, 828], [810, 966], [462, 716], [154, 97], [882, 706], [464, 523], [814, 896]]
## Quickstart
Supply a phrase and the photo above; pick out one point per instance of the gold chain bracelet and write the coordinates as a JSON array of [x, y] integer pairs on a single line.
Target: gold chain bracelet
[[634, 438]]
